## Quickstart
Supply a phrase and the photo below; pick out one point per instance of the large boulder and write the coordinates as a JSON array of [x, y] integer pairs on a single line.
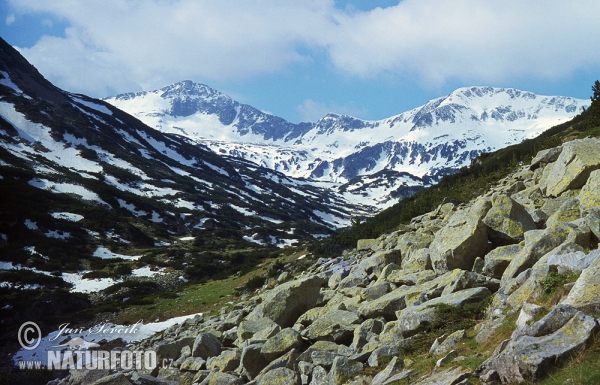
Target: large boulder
[[497, 260], [206, 345], [252, 361], [412, 241], [589, 196], [585, 294], [573, 166], [343, 368], [280, 376], [227, 361], [537, 244], [414, 318], [507, 220], [282, 342], [285, 303], [463, 239]]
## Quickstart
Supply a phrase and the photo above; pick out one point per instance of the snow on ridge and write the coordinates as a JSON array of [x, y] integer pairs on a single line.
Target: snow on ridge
[[95, 106]]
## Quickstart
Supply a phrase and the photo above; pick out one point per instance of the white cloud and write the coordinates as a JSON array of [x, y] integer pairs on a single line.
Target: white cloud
[[122, 45], [10, 19]]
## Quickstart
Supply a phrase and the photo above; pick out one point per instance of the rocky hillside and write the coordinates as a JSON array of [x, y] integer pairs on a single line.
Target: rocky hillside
[[500, 290]]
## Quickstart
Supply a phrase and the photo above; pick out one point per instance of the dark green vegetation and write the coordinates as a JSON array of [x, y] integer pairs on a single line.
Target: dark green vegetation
[[467, 183]]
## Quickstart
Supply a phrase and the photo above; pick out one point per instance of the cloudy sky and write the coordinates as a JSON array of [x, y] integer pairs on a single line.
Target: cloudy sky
[[301, 59]]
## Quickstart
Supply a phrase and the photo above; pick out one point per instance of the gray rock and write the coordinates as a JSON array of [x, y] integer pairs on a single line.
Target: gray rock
[[262, 327], [206, 345], [171, 349], [573, 166], [286, 302], [343, 368], [585, 293], [319, 376], [589, 197], [252, 360], [461, 240], [218, 378], [531, 352], [193, 364], [448, 343], [281, 343], [507, 220], [113, 379], [227, 361], [497, 260], [395, 365], [544, 157], [280, 376], [414, 318]]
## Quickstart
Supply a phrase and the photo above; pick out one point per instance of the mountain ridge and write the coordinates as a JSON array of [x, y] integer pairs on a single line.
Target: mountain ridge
[[427, 142]]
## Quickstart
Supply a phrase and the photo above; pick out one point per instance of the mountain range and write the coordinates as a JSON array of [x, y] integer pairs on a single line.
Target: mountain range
[[372, 163]]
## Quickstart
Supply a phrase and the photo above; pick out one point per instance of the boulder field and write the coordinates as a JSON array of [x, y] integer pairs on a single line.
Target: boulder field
[[336, 319]]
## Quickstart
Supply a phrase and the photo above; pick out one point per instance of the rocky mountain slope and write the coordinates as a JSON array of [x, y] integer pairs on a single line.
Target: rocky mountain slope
[[77, 174], [371, 162], [498, 290]]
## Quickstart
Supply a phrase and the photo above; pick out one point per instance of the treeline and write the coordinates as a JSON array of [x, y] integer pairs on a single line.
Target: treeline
[[466, 184]]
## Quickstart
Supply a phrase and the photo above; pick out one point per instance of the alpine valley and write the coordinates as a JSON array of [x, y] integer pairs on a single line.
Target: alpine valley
[[165, 204], [372, 163]]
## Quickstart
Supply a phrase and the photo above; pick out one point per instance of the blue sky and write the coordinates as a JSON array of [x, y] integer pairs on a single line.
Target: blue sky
[[302, 59]]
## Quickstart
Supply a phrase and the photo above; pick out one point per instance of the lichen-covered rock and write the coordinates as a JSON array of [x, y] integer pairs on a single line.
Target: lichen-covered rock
[[419, 260], [171, 348], [280, 376], [414, 318], [218, 378], [585, 294], [439, 376], [567, 212], [113, 379], [365, 332], [263, 328], [366, 244], [534, 349], [497, 260], [281, 343], [319, 376], [343, 368], [507, 220], [537, 244], [252, 360], [412, 241], [544, 157], [589, 197], [227, 361], [395, 366], [442, 346], [286, 302], [573, 166], [193, 364], [463, 239], [206, 345]]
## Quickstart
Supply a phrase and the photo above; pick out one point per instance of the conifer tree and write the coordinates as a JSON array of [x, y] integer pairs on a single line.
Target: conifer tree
[[592, 114]]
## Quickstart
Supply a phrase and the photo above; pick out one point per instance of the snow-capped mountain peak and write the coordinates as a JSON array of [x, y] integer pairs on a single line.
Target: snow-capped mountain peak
[[426, 142]]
